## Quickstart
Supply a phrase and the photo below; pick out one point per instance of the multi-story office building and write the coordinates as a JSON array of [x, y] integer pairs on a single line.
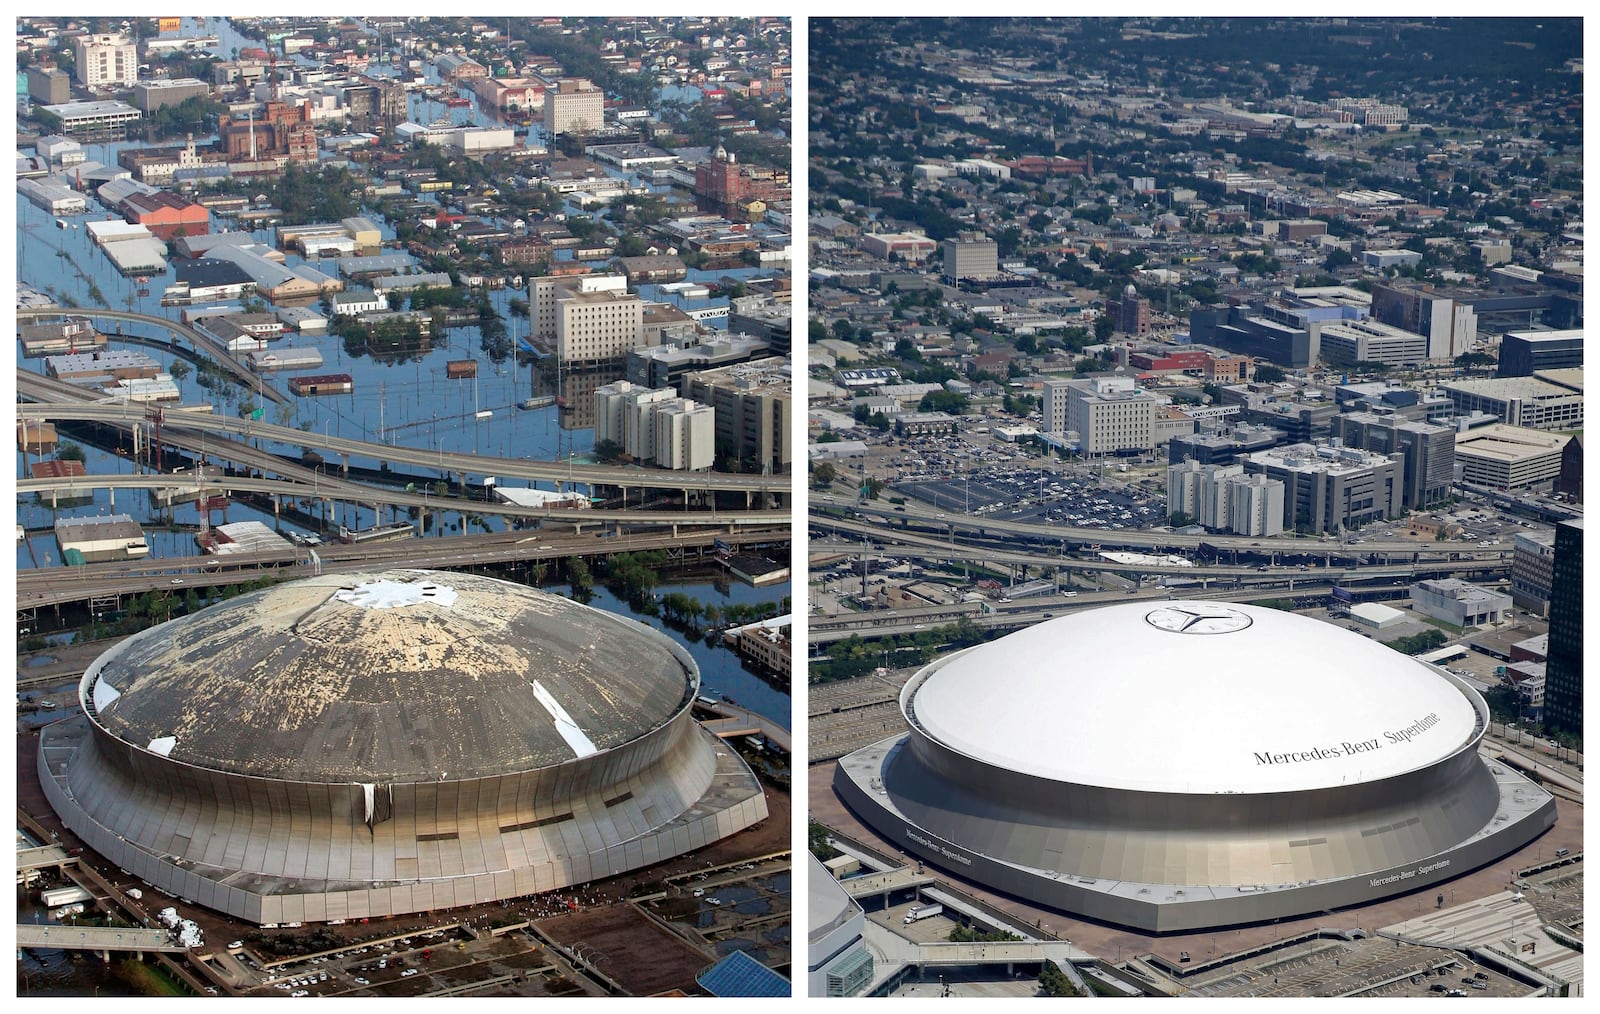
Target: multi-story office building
[[574, 105], [1301, 422], [1224, 498], [1450, 326], [106, 61], [49, 85], [685, 436], [1524, 352], [152, 95], [1250, 331], [655, 426], [752, 405], [1429, 451], [1570, 479], [1520, 401], [1563, 695], [970, 255], [586, 318], [665, 365], [1109, 414], [1532, 561], [1326, 488]]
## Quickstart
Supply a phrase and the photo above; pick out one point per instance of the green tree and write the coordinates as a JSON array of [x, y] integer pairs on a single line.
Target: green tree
[[823, 474], [817, 842]]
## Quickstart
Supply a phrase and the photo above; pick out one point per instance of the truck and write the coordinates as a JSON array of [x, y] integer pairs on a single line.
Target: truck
[[921, 912], [59, 896]]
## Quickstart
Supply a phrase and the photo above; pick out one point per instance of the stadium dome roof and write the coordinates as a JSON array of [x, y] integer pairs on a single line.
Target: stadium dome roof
[[391, 677], [1192, 697]]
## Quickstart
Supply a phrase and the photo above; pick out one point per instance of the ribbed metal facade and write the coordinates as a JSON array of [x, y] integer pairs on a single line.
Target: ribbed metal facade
[[278, 849], [1165, 861]]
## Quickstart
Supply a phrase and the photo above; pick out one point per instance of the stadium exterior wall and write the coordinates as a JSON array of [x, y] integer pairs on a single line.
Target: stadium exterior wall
[[280, 851], [1197, 907]]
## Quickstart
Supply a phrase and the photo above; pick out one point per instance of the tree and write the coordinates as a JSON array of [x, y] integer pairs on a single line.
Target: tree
[[69, 451], [179, 370], [607, 450], [1104, 327], [1267, 373], [943, 401], [817, 842], [1180, 520], [1054, 981], [823, 474]]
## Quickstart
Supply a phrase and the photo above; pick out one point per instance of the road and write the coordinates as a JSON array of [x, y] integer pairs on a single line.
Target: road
[[174, 421], [1123, 538], [60, 585], [214, 349]]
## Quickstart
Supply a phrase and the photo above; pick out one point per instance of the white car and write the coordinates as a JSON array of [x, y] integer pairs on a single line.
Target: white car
[[408, 972]]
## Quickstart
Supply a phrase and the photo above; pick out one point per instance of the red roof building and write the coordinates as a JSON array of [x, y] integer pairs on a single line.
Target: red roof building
[[167, 215]]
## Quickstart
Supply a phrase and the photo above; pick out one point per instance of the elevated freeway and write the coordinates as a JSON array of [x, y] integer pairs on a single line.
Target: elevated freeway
[[823, 631], [102, 581], [214, 349], [321, 488], [622, 477], [890, 519], [102, 939]]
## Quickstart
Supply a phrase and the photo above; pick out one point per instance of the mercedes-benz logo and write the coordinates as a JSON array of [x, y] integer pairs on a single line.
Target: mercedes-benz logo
[[1197, 618]]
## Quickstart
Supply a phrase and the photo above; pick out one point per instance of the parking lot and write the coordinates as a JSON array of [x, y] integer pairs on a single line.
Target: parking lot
[[1366, 967], [1038, 495]]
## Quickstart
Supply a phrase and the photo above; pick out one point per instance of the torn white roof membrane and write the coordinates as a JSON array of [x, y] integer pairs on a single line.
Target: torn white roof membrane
[[581, 744]]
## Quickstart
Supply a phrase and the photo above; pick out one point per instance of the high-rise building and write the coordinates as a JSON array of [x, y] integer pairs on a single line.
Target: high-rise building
[[1326, 487], [1532, 569], [1450, 326], [586, 318], [1563, 692], [752, 412], [685, 436], [575, 105], [106, 61], [1223, 498], [1109, 414], [1428, 450], [1522, 353], [970, 255]]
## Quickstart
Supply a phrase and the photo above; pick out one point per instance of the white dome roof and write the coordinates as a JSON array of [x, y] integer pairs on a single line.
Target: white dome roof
[[1192, 697]]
